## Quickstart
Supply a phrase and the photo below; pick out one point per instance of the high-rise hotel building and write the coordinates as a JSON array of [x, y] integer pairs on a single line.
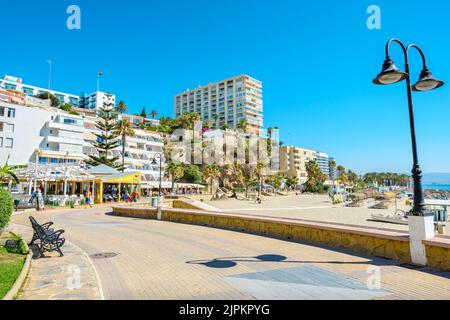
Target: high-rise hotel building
[[226, 103]]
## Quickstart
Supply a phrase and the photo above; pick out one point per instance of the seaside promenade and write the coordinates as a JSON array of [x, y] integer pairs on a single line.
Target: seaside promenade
[[312, 207], [146, 259]]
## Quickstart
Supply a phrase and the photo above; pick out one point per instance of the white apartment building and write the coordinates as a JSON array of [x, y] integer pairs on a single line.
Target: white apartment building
[[91, 101], [16, 84], [226, 103], [30, 134], [140, 152], [97, 100], [26, 129]]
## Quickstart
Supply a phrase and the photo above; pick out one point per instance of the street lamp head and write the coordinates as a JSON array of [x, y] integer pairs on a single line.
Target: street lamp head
[[427, 82], [154, 162], [389, 74]]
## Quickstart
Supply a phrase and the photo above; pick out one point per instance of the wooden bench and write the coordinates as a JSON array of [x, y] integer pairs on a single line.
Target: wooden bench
[[49, 240]]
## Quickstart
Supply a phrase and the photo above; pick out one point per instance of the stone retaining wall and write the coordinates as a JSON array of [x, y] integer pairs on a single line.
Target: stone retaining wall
[[385, 243]]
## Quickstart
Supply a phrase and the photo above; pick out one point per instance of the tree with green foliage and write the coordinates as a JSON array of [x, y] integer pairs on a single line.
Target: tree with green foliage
[[341, 171], [143, 112], [207, 124], [242, 125], [276, 181], [66, 107], [46, 96], [387, 179], [6, 208], [121, 107], [7, 172], [192, 174], [175, 172], [124, 130], [154, 114], [216, 121], [292, 182], [316, 178], [211, 173], [107, 138]]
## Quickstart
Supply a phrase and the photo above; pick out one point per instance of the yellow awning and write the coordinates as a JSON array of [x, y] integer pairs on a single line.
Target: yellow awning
[[127, 178]]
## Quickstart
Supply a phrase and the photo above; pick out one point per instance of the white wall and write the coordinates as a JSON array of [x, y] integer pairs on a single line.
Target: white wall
[[28, 124]]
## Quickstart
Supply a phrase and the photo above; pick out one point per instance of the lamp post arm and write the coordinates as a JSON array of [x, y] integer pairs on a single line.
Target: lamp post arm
[[404, 48], [424, 60]]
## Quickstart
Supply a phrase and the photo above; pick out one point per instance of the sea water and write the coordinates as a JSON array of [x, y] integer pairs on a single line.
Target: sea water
[[442, 187]]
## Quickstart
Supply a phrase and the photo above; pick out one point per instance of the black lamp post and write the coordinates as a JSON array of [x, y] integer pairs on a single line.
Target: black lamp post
[[159, 156], [390, 75]]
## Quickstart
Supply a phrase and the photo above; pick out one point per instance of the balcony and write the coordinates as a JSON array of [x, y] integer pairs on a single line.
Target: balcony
[[65, 127], [53, 139]]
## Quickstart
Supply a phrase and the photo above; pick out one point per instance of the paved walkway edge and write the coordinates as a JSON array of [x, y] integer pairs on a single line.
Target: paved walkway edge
[[97, 277], [11, 295]]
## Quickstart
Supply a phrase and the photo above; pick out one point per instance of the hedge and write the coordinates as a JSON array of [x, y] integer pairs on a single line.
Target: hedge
[[6, 208]]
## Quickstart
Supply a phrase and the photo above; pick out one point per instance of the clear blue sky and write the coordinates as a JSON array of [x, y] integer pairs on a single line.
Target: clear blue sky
[[316, 59]]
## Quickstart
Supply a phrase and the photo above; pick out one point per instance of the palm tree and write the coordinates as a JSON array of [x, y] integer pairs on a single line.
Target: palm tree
[[121, 107], [341, 170], [124, 129], [332, 166], [207, 124], [242, 124], [211, 173], [7, 172], [260, 173], [154, 114], [292, 182], [216, 121], [175, 172]]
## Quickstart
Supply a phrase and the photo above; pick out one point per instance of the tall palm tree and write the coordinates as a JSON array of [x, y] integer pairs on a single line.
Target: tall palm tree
[[175, 172], [332, 166], [242, 124], [7, 172], [212, 172], [121, 107], [124, 129], [341, 170], [260, 173], [216, 121], [154, 114]]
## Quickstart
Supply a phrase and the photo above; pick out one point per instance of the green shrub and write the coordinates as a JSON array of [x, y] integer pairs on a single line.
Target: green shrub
[[19, 247], [6, 208]]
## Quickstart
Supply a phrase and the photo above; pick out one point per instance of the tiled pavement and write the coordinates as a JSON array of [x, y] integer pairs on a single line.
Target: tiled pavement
[[161, 260], [71, 277]]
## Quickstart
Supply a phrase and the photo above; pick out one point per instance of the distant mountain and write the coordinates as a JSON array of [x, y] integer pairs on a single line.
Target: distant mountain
[[436, 178]]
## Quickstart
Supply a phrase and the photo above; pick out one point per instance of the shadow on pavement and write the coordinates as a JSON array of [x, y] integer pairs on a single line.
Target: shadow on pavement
[[230, 262]]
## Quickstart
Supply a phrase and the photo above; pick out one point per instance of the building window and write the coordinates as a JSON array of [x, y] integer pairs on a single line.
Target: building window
[[9, 143], [8, 128], [11, 113], [1, 142]]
